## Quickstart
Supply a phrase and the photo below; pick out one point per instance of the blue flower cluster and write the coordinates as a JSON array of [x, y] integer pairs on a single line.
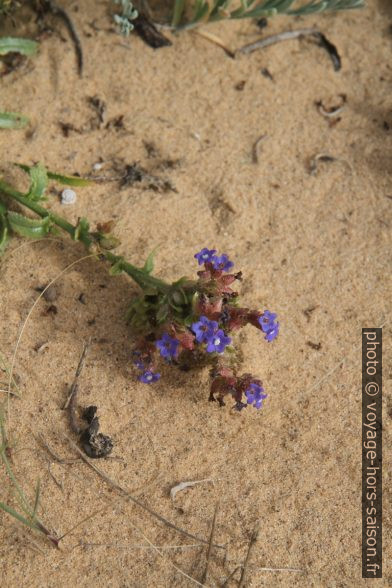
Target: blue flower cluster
[[254, 395], [207, 331], [268, 325], [168, 346], [219, 262], [148, 376]]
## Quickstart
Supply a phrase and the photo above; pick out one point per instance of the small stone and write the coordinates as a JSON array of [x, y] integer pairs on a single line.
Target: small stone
[[68, 196], [50, 294]]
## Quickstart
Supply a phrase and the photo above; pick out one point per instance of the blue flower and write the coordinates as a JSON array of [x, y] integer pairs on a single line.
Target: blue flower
[[222, 262], [137, 361], [205, 255], [149, 377], [168, 346], [254, 395], [204, 328], [272, 333], [217, 342], [268, 325]]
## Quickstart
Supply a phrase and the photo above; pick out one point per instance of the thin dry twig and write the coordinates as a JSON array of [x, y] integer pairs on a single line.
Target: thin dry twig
[[332, 112], [324, 157], [184, 485], [143, 547], [158, 551], [226, 582], [71, 400], [11, 371], [267, 41], [209, 550], [135, 500], [63, 14], [251, 545], [216, 41], [255, 148]]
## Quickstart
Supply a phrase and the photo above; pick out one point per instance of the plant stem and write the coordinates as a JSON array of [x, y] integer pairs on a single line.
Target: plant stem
[[140, 276]]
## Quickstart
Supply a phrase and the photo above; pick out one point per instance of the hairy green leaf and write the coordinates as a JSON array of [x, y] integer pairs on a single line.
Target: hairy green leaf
[[117, 268], [29, 227], [66, 180], [69, 180], [39, 182], [13, 120], [149, 264], [82, 230], [4, 233], [15, 45]]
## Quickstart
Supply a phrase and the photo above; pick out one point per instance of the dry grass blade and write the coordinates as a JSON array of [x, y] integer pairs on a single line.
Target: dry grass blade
[[216, 41], [185, 485], [27, 319], [158, 551], [251, 545], [209, 550], [143, 547], [29, 517], [128, 496], [285, 36]]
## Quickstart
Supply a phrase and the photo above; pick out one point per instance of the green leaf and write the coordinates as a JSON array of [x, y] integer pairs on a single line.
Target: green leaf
[[218, 7], [148, 267], [201, 9], [117, 268], [82, 230], [69, 180], [4, 232], [108, 242], [17, 516], [15, 45], [36, 499], [29, 227], [179, 6], [13, 120], [39, 182]]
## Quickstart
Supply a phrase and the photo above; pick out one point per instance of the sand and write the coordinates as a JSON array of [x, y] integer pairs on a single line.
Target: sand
[[321, 241]]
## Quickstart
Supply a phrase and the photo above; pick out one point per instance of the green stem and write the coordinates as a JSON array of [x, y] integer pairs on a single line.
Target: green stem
[[143, 279]]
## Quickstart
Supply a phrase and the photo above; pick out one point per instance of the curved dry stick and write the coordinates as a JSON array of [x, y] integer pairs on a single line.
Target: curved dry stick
[[285, 36], [25, 323]]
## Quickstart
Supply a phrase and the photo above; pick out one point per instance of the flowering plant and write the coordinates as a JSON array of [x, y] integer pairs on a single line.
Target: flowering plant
[[188, 323]]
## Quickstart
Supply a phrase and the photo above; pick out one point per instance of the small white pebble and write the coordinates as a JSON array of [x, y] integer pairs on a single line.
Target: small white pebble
[[68, 196], [97, 166]]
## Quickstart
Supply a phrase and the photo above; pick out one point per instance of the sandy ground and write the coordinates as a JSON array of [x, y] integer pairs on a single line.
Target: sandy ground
[[303, 241]]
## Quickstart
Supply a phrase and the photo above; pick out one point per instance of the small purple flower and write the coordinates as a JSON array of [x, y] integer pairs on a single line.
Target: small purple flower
[[217, 342], [254, 395], [137, 361], [222, 262], [204, 328], [149, 377], [268, 325], [272, 333], [205, 255], [168, 346]]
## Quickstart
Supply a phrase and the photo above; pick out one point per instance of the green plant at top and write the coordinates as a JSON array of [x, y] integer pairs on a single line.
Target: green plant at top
[[128, 14], [214, 10]]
